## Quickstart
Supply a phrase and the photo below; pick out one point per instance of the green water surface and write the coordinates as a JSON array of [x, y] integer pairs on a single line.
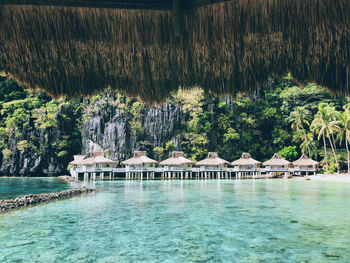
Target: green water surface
[[189, 221], [12, 187]]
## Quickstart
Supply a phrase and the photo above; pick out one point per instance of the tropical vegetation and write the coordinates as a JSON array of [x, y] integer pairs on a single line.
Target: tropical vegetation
[[284, 117]]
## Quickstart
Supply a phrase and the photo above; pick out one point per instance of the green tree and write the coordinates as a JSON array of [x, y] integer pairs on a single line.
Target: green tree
[[309, 145], [325, 125], [300, 119], [289, 152], [231, 135], [159, 151], [22, 146], [344, 132]]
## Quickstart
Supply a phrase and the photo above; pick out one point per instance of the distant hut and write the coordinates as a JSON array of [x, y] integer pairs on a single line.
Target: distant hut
[[177, 165], [94, 162], [96, 159], [305, 165], [276, 165], [75, 166], [246, 166], [138, 164], [77, 160], [213, 164]]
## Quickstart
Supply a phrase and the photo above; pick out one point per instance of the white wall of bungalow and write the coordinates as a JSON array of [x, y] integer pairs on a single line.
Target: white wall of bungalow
[[177, 166]]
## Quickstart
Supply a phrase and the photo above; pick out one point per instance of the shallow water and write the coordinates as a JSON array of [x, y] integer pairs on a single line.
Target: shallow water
[[12, 187], [189, 221]]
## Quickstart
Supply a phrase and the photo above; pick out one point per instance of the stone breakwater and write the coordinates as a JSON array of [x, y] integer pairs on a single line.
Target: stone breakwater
[[33, 199]]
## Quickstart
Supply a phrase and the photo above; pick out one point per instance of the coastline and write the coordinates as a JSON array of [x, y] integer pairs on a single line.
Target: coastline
[[34, 199]]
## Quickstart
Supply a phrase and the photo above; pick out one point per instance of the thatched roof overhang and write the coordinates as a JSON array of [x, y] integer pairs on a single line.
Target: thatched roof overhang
[[212, 159], [246, 159], [77, 159], [276, 160], [97, 160], [226, 47], [139, 158], [177, 158], [118, 4], [92, 158], [305, 161]]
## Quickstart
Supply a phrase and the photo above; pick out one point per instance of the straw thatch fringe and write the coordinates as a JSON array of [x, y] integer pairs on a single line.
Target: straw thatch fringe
[[225, 48]]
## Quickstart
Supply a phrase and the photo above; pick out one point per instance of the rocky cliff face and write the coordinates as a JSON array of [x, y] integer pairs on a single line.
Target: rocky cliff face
[[38, 157], [111, 130], [40, 135], [108, 129]]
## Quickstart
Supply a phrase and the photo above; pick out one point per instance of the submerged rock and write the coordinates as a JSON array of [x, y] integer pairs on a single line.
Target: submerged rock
[[68, 179]]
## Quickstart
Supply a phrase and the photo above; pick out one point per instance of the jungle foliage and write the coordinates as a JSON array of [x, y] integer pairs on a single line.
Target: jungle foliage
[[282, 116]]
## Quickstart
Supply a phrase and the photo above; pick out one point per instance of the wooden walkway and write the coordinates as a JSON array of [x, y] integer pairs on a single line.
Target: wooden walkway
[[177, 174]]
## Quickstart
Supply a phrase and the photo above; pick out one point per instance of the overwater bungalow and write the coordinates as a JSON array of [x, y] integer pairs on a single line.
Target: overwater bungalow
[[305, 165], [246, 166], [77, 160], [177, 166], [139, 164], [277, 165], [75, 164], [213, 165], [91, 164]]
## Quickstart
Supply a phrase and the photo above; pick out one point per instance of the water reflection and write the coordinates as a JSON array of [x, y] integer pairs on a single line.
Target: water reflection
[[12, 187], [185, 221]]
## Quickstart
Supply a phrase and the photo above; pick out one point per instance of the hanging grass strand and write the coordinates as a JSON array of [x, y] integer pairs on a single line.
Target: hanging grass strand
[[227, 47]]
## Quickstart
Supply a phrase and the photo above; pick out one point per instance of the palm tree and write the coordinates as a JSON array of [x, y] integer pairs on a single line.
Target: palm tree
[[344, 132], [308, 145], [326, 124], [299, 119]]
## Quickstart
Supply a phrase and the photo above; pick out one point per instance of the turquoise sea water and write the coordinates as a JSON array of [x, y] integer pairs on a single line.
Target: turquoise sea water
[[189, 221], [12, 187]]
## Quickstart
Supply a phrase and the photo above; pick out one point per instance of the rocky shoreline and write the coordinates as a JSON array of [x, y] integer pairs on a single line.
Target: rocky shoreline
[[68, 179], [33, 199]]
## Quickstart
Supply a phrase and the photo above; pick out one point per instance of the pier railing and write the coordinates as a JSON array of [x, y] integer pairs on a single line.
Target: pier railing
[[192, 171], [140, 169], [176, 169], [159, 169], [179, 169], [244, 169], [304, 169], [277, 169]]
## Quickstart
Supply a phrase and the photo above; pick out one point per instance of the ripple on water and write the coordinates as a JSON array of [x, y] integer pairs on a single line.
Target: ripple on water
[[193, 221]]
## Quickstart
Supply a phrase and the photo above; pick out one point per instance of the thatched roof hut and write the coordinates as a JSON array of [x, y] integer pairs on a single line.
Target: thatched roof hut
[[246, 159], [96, 158], [305, 161], [77, 159], [177, 158], [226, 47], [276, 160], [212, 159], [139, 158]]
